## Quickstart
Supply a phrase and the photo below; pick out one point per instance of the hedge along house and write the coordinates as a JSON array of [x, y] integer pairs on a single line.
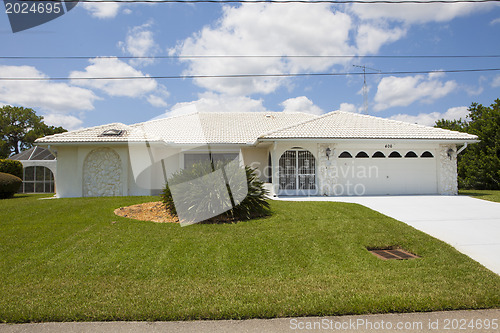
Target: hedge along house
[[39, 170], [338, 153]]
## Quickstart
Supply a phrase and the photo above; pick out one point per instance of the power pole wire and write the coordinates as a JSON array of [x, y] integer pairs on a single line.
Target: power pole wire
[[247, 56], [244, 75]]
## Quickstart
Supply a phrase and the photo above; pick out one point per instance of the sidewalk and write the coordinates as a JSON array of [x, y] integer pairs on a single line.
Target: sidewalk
[[484, 321]]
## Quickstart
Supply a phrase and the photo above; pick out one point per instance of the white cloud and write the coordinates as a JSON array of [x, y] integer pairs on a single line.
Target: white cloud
[[47, 95], [140, 42], [212, 102], [113, 67], [429, 119], [157, 98], [301, 104], [496, 82], [402, 91], [261, 29], [102, 10], [66, 121], [348, 107], [418, 13], [371, 37], [157, 101], [495, 21]]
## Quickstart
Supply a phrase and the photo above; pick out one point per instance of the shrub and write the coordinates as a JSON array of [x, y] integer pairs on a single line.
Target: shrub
[[9, 185], [12, 167], [222, 192]]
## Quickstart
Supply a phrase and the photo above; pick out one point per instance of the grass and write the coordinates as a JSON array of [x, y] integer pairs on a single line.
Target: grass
[[490, 195], [65, 260]]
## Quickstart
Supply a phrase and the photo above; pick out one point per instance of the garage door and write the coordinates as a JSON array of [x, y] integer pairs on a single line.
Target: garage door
[[382, 173]]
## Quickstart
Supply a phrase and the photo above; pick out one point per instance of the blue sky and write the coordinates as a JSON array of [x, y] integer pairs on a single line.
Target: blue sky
[[118, 29]]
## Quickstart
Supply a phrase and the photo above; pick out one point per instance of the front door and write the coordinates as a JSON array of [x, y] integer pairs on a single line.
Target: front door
[[297, 173]]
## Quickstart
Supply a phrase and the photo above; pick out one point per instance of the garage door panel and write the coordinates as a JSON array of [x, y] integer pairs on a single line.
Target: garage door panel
[[381, 176]]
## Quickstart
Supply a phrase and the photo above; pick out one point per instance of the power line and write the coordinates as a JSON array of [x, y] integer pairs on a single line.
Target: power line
[[244, 75], [284, 1], [249, 56]]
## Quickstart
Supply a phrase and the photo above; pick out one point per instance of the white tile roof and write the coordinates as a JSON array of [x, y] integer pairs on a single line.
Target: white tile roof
[[92, 134], [195, 128], [248, 127], [348, 125]]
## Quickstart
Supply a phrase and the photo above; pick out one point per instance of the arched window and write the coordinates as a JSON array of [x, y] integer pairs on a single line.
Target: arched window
[[37, 179], [394, 154], [411, 154], [345, 154], [427, 154], [362, 154], [378, 154]]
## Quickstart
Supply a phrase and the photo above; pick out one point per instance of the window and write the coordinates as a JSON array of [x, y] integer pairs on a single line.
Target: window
[[345, 154], [37, 179], [192, 159], [394, 154], [113, 132], [269, 169], [411, 154], [378, 154], [362, 154], [427, 154]]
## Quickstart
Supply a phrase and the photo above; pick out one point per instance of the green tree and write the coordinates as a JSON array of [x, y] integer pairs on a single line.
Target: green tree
[[479, 164], [19, 128]]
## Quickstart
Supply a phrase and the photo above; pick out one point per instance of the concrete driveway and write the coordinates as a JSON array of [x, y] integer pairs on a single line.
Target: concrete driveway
[[471, 225]]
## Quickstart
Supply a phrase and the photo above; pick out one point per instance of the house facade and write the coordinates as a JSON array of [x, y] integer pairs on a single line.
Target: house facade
[[336, 154]]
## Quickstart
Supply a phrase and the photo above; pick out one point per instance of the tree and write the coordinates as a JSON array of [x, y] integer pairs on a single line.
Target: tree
[[19, 128], [479, 164]]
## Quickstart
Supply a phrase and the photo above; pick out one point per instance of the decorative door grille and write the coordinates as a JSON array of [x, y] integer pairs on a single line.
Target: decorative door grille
[[297, 170]]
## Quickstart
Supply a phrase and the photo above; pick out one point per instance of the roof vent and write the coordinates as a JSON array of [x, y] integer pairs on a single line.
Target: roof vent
[[269, 116], [113, 132]]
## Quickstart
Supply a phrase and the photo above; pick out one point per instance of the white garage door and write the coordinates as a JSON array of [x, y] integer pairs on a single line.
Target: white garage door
[[382, 173]]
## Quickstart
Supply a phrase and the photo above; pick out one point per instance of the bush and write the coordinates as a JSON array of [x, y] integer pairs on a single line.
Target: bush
[[9, 185], [12, 167], [222, 193]]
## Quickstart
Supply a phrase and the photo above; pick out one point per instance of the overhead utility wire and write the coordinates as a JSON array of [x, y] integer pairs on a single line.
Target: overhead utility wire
[[249, 56], [243, 75], [282, 1]]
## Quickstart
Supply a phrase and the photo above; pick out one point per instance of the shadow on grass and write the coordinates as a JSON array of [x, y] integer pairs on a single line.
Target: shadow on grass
[[474, 194], [25, 195]]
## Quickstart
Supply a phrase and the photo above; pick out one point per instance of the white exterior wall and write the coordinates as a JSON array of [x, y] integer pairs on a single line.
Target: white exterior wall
[[447, 171], [139, 176], [257, 158], [70, 166], [377, 176]]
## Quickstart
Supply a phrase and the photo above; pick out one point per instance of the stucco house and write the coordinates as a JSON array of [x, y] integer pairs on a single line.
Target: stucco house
[[338, 153]]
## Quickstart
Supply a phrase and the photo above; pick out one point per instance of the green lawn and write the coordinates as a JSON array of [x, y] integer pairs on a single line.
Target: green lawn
[[65, 260], [482, 194]]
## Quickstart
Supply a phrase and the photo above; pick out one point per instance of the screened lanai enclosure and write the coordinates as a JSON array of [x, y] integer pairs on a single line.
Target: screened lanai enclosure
[[39, 167]]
